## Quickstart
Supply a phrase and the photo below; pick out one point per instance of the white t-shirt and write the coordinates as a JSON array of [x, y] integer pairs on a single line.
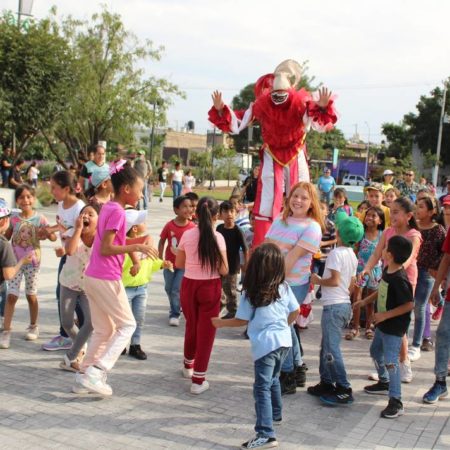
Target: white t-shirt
[[33, 173], [177, 175], [67, 218], [344, 261], [189, 181]]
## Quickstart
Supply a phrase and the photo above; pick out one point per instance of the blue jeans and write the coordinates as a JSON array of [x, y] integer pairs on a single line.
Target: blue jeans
[[172, 284], [177, 186], [331, 366], [442, 351], [294, 357], [326, 196], [267, 391], [385, 351], [423, 290], [137, 296], [3, 294]]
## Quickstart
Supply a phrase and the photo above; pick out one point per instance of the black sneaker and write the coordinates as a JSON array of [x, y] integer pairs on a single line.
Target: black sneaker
[[300, 375], [287, 382], [380, 388], [136, 352], [321, 389], [394, 409], [160, 200], [340, 396], [260, 442]]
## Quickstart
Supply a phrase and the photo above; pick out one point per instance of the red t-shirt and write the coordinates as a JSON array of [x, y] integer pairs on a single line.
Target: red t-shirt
[[446, 249], [172, 233]]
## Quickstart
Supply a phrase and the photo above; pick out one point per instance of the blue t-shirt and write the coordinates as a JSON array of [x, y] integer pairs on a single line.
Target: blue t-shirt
[[326, 183], [268, 328]]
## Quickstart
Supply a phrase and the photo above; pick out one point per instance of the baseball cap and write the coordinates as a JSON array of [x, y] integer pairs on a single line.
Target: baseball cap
[[388, 172], [350, 229], [4, 208], [100, 175], [135, 217], [446, 200], [141, 152], [375, 187]]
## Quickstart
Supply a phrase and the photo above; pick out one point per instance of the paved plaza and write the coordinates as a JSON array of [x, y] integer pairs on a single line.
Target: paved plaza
[[151, 407]]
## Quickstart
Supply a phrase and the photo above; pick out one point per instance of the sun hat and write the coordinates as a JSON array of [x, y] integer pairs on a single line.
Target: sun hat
[[135, 217], [4, 208], [375, 187], [350, 229], [100, 175], [388, 172]]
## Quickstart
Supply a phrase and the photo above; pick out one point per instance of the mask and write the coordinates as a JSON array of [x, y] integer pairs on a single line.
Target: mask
[[279, 97]]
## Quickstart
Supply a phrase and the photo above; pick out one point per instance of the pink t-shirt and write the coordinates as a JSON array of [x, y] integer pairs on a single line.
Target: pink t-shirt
[[193, 268], [112, 218], [411, 270]]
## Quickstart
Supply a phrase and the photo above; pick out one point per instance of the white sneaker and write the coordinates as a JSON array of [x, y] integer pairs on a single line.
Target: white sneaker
[[77, 387], [95, 381], [5, 339], [187, 373], [70, 366], [199, 388], [32, 333], [174, 322], [406, 375], [413, 353]]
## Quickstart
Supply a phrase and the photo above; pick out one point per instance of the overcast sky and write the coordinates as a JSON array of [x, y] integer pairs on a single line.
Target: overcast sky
[[377, 56]]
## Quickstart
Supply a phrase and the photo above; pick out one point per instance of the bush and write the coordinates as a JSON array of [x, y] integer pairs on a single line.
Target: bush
[[46, 170], [44, 195]]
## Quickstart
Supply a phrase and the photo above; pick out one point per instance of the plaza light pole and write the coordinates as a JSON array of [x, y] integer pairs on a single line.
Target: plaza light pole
[[368, 151]]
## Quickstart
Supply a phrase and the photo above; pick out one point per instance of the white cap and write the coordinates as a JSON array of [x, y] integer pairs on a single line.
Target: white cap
[[135, 217], [388, 172]]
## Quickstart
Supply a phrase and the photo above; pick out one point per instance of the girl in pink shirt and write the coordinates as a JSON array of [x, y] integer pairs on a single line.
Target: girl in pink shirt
[[202, 254], [112, 319]]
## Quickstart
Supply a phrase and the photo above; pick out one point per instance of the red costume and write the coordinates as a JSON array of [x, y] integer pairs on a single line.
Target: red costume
[[285, 115]]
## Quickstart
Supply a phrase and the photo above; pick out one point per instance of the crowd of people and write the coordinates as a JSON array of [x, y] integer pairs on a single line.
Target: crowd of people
[[369, 266]]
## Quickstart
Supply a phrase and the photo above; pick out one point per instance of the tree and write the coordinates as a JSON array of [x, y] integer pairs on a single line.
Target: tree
[[321, 145], [35, 79], [400, 140]]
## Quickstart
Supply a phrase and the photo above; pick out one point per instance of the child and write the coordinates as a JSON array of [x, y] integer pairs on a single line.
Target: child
[[394, 302], [268, 306], [375, 198], [403, 224], [64, 189], [26, 229], [8, 263], [172, 233], [193, 197], [337, 286], [298, 233], [136, 274], [235, 243], [373, 229], [390, 196], [361, 209], [442, 352], [428, 259], [112, 318], [340, 204], [202, 253], [102, 190], [189, 181], [78, 250]]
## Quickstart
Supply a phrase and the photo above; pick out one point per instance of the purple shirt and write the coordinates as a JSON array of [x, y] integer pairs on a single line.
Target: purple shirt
[[112, 218]]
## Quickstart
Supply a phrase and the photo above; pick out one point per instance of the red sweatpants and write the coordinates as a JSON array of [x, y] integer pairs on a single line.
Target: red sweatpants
[[200, 300]]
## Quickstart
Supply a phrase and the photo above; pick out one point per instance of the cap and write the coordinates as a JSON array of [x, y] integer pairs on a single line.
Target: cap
[[135, 217], [375, 187], [446, 200], [141, 152], [388, 172], [350, 229], [4, 208], [100, 175]]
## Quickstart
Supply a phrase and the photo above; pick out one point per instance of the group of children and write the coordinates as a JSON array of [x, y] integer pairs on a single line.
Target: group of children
[[107, 260]]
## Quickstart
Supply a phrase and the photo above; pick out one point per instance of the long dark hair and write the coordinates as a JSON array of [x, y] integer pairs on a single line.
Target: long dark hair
[[264, 274], [432, 205], [380, 214], [126, 175], [208, 249], [408, 206], [24, 187], [64, 178]]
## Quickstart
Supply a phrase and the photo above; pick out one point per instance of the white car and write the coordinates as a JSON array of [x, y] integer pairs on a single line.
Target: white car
[[353, 180]]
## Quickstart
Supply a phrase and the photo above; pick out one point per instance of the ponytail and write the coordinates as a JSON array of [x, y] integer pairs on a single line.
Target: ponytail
[[208, 250]]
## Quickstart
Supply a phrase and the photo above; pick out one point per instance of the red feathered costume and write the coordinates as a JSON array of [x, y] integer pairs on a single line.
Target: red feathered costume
[[283, 153]]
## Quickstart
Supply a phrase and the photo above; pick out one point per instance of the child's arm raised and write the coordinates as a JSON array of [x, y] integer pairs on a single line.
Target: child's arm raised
[[222, 323], [398, 311], [72, 242]]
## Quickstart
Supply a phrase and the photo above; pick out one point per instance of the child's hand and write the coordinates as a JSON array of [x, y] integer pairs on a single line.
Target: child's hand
[[217, 322], [135, 268], [360, 278], [315, 279], [43, 233], [79, 223], [379, 317], [168, 265], [59, 252], [27, 259], [148, 250]]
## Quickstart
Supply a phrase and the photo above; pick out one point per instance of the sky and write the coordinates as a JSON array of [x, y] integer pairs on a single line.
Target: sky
[[378, 57]]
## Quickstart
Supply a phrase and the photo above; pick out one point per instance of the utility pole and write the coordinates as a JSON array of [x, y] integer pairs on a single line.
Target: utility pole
[[152, 134], [211, 179], [439, 142], [368, 151]]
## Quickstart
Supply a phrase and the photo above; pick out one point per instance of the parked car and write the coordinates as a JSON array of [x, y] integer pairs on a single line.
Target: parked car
[[353, 180]]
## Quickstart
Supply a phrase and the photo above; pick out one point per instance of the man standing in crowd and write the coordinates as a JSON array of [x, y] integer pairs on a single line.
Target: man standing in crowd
[[144, 169], [163, 171], [87, 170], [5, 166], [408, 187], [15, 174], [250, 185], [326, 186]]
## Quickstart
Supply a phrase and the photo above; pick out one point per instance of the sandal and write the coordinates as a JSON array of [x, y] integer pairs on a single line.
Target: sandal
[[369, 333], [352, 334]]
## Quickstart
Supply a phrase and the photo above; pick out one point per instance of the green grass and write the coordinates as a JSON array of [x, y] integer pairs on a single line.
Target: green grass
[[219, 194]]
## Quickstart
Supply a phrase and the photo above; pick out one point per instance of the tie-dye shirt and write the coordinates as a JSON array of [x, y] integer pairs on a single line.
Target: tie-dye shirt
[[305, 233]]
